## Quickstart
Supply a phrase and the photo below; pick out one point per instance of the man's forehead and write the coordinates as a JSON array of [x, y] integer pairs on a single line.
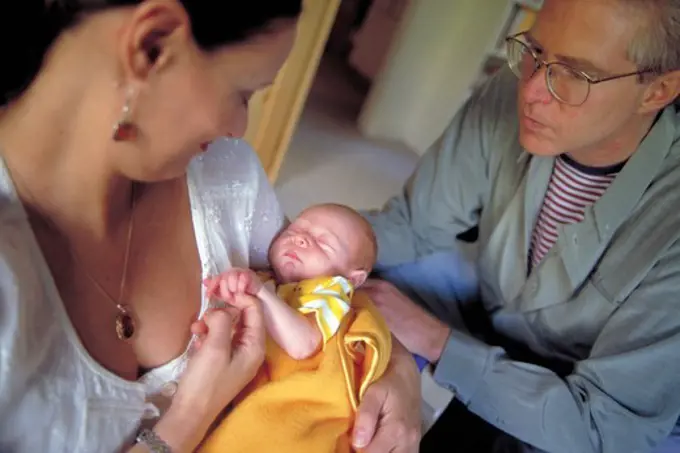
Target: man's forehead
[[590, 32]]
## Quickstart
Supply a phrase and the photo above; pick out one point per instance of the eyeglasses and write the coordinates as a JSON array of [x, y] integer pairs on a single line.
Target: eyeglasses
[[566, 84]]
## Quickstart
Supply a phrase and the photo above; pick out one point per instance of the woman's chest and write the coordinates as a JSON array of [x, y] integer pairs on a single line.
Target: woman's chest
[[165, 291], [159, 284]]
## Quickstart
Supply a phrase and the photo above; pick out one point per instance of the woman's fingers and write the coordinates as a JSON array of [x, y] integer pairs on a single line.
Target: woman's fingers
[[199, 327], [195, 345], [251, 339], [221, 364], [199, 330], [219, 324], [238, 330]]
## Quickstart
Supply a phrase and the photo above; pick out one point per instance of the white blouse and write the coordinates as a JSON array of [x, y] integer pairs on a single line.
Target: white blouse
[[53, 396]]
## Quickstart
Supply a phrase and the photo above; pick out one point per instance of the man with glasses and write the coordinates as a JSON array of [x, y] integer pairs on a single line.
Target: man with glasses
[[564, 334]]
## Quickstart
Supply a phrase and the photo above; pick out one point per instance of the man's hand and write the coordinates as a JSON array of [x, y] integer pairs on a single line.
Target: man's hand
[[389, 418], [419, 331]]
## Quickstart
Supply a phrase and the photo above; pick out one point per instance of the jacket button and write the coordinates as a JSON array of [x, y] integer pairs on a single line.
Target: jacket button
[[533, 288]]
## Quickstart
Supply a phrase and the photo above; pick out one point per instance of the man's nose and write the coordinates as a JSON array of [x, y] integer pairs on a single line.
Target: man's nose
[[535, 88]]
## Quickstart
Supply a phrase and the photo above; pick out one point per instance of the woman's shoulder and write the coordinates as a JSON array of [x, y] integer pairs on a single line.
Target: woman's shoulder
[[235, 203], [14, 231], [15, 235], [18, 272], [228, 162], [23, 307]]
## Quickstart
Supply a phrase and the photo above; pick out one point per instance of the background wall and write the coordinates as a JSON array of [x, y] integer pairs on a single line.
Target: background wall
[[435, 56]]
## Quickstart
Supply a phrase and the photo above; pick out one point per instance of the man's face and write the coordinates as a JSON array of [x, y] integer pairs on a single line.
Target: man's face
[[592, 36]]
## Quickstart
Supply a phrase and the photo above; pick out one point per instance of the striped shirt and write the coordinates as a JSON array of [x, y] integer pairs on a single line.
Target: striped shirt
[[572, 188]]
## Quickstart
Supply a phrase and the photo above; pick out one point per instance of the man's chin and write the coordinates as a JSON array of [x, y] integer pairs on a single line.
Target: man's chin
[[537, 145]]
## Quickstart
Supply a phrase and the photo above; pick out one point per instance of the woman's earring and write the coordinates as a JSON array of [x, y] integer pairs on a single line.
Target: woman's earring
[[125, 129]]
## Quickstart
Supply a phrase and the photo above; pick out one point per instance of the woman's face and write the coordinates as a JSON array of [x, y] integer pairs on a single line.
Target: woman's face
[[192, 97]]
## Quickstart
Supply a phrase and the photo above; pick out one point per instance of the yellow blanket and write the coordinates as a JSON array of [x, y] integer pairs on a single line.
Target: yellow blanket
[[308, 406]]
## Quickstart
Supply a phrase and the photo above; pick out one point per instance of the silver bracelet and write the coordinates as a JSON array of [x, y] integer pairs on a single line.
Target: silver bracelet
[[154, 443]]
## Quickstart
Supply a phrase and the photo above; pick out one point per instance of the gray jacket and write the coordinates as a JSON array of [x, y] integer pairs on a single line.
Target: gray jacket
[[605, 301]]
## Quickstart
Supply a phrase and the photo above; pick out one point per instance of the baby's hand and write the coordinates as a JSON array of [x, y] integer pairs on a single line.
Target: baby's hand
[[233, 282]]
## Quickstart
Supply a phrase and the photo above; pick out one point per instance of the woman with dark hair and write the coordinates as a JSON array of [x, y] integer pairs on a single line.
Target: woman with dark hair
[[117, 198]]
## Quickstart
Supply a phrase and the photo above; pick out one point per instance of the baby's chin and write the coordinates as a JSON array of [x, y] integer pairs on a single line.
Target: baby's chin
[[288, 272], [282, 277], [285, 273]]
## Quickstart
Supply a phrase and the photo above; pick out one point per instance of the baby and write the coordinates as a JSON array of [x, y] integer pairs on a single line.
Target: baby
[[317, 262], [307, 301]]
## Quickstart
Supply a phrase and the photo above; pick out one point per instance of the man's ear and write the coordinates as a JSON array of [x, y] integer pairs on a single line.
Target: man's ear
[[661, 92], [358, 277], [156, 32]]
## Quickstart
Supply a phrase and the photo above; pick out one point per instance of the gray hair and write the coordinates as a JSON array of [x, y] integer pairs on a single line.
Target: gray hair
[[656, 46]]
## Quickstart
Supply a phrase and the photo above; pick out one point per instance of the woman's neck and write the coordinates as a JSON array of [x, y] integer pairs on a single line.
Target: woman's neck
[[57, 154]]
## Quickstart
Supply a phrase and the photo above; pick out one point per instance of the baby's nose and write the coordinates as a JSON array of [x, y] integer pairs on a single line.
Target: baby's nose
[[301, 241]]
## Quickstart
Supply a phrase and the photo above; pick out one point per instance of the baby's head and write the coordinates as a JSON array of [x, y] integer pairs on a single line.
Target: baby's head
[[325, 240]]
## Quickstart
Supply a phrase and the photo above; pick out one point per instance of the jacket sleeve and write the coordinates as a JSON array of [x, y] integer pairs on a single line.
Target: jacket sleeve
[[624, 397]]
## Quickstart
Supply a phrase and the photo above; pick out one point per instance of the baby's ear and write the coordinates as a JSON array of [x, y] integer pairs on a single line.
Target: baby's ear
[[357, 277]]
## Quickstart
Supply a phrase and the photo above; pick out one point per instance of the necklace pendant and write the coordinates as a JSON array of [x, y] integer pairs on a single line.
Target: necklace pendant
[[125, 324]]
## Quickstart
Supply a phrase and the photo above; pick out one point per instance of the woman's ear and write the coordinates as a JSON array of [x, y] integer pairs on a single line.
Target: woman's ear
[[358, 277], [157, 31], [661, 92]]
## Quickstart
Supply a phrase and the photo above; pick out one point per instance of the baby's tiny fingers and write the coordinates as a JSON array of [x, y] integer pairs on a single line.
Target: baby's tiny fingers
[[211, 285], [242, 283], [235, 282], [226, 288]]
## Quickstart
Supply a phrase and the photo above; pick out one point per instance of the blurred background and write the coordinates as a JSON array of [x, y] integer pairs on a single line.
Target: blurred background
[[369, 86]]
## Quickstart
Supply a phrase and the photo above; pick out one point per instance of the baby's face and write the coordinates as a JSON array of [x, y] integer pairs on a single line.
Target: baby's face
[[323, 241]]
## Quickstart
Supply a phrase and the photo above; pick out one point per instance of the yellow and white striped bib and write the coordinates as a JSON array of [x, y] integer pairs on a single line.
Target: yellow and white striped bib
[[328, 298]]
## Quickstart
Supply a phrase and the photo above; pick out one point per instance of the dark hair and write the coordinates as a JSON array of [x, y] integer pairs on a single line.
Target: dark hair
[[29, 27]]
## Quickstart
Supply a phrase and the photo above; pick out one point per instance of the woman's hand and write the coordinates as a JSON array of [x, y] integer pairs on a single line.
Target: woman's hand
[[228, 358], [218, 370], [389, 418]]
